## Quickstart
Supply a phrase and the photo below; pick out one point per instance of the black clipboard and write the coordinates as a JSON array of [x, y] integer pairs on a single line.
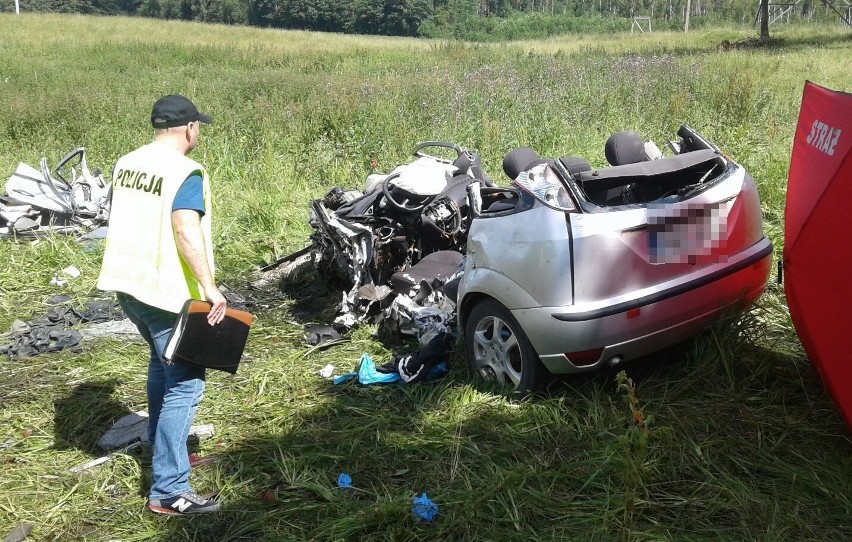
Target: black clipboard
[[194, 341]]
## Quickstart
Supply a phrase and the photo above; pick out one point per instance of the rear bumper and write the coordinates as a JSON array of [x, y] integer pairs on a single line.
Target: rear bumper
[[651, 319]]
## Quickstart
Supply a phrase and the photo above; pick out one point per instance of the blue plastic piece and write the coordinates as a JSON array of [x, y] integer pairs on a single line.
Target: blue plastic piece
[[367, 373], [424, 508], [344, 480]]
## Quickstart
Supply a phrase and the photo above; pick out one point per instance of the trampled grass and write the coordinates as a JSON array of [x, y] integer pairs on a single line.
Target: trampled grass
[[741, 440]]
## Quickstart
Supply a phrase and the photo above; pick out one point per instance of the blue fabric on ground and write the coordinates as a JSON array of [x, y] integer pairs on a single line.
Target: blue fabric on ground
[[424, 508], [367, 373], [344, 480]]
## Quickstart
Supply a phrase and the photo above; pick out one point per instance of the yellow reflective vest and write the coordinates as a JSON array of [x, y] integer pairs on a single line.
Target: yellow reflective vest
[[141, 256]]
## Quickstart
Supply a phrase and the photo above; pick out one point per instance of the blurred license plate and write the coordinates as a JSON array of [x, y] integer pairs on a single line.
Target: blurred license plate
[[678, 233]]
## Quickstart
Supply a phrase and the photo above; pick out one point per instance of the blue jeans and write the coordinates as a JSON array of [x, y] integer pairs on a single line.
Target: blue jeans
[[174, 390]]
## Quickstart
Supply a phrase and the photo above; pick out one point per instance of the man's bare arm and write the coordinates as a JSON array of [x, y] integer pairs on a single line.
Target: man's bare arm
[[190, 244]]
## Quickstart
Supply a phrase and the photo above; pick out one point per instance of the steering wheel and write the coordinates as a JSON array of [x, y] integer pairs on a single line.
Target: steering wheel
[[445, 214], [418, 150], [406, 205]]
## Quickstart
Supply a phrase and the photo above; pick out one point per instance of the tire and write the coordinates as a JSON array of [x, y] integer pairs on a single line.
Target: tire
[[497, 349]]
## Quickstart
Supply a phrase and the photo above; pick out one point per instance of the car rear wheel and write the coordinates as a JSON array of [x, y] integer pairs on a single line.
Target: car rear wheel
[[498, 350]]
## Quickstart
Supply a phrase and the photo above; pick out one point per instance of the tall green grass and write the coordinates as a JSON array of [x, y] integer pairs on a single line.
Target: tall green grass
[[740, 441]]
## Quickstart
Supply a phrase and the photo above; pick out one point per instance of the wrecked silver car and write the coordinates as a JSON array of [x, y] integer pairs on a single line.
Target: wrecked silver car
[[566, 270], [576, 267]]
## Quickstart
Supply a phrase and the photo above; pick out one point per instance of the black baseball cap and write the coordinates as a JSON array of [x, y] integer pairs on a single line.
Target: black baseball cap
[[176, 110]]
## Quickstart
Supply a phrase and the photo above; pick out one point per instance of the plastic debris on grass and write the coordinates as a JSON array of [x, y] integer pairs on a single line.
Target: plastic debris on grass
[[134, 427], [344, 481], [70, 271], [423, 508], [318, 335], [367, 373], [103, 459]]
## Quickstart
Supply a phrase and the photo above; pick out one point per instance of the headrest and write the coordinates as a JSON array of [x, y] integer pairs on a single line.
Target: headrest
[[519, 160], [575, 164], [625, 148]]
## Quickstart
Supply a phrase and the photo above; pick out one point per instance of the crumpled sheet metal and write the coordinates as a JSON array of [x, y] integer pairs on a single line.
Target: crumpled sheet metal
[[36, 202], [346, 249], [354, 255], [26, 220], [434, 315], [27, 185]]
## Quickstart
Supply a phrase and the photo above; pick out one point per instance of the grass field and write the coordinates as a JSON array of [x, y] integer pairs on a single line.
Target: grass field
[[741, 440]]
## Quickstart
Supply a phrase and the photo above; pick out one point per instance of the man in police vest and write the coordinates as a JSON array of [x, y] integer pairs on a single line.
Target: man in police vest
[[159, 254]]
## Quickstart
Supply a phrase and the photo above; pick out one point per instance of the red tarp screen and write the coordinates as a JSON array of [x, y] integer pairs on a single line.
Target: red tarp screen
[[817, 243]]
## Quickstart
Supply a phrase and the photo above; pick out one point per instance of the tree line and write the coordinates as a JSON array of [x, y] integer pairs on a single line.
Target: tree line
[[483, 20]]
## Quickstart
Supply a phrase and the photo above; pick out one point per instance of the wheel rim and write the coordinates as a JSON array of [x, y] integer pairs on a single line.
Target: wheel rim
[[496, 353]]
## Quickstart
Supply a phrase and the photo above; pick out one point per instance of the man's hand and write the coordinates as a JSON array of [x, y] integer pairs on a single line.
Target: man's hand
[[217, 312]]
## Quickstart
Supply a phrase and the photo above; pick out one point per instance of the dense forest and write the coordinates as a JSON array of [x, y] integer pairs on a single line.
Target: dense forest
[[483, 20]]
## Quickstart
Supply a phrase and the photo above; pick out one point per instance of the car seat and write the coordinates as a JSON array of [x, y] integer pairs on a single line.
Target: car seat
[[438, 265], [622, 148], [575, 165]]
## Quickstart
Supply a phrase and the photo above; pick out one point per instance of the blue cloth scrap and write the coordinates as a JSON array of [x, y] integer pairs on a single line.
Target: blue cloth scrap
[[344, 480], [424, 508], [367, 373]]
